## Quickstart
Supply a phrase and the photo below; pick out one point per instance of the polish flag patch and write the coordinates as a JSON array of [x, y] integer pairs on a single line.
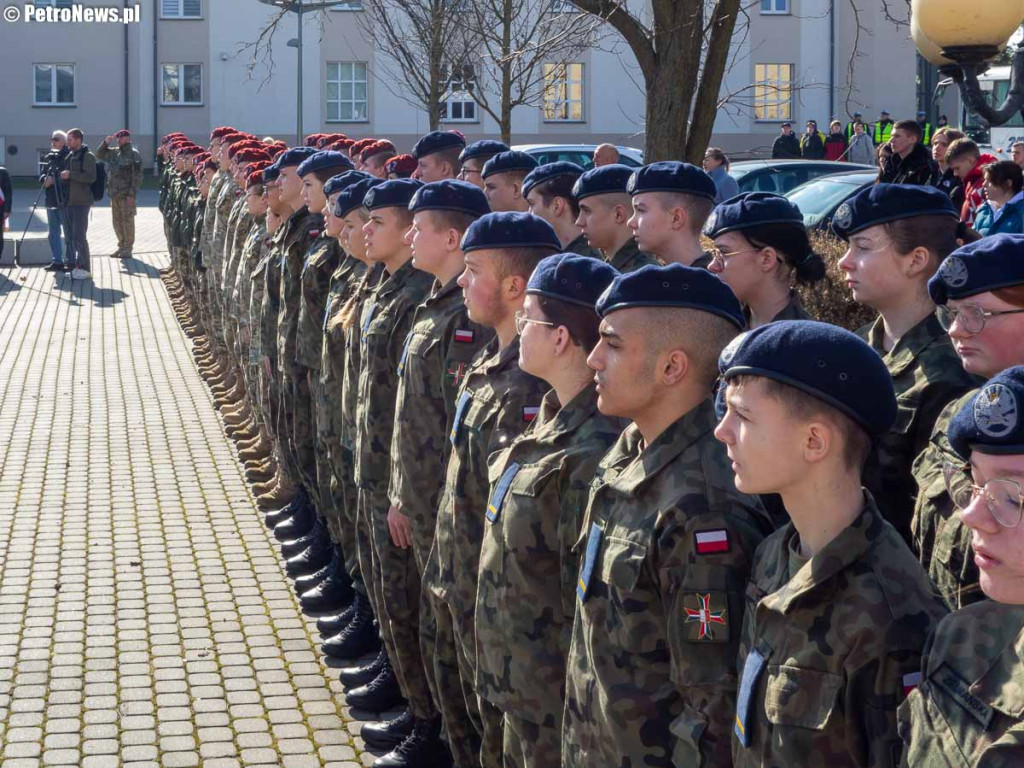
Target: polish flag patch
[[910, 681], [464, 336], [530, 412], [712, 542], [314, 233]]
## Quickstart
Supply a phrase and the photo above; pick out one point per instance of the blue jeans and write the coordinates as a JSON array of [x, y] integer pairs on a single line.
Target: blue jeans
[[55, 222]]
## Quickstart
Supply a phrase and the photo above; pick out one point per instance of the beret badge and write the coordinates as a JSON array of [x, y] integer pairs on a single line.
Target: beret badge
[[996, 411]]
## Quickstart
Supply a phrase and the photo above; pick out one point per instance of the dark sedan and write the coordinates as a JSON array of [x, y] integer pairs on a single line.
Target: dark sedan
[[780, 176]]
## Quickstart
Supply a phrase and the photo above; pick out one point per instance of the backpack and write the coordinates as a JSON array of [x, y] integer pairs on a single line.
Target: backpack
[[99, 184]]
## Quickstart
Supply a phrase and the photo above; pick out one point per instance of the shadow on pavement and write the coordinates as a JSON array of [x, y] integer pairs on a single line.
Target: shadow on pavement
[[7, 285], [85, 290]]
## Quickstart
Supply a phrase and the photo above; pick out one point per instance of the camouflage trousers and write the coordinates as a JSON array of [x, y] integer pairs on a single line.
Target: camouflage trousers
[[122, 215], [300, 434], [528, 745], [322, 433]]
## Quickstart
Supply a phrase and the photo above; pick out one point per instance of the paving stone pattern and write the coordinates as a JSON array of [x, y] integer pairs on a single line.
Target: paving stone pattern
[[145, 616]]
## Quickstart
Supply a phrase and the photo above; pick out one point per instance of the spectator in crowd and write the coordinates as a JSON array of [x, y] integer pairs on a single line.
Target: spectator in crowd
[[967, 161], [786, 145], [716, 165], [80, 172], [883, 128], [944, 177], [1017, 153], [812, 143], [851, 127], [56, 198], [910, 162], [1003, 210], [942, 122], [605, 154], [6, 201], [861, 149], [835, 143], [926, 128]]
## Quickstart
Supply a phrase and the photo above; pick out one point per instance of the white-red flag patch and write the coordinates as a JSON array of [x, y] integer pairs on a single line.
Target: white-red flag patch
[[712, 542]]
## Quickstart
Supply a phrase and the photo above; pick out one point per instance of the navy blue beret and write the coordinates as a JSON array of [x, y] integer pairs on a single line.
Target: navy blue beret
[[342, 180], [572, 278], [450, 195], [671, 176], [510, 229], [672, 286], [437, 141], [882, 203], [996, 261], [482, 148], [822, 360], [603, 180], [271, 172], [294, 156], [513, 160], [550, 171], [392, 194], [993, 420], [352, 196], [324, 160], [751, 209]]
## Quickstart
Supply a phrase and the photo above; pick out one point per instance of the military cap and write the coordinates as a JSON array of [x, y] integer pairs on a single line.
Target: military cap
[[377, 148], [513, 160], [572, 278], [221, 130], [550, 171], [392, 194], [352, 196], [401, 165], [988, 264], [232, 138], [882, 203], [254, 178], [342, 180], [123, 133], [310, 139], [271, 173], [510, 229], [294, 156], [340, 145], [993, 420], [603, 180], [250, 155], [671, 176], [482, 148], [821, 360], [672, 286], [751, 209], [357, 147], [324, 160], [438, 141], [449, 195]]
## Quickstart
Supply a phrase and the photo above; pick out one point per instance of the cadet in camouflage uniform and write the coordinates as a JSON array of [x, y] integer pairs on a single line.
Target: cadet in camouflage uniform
[[968, 710], [548, 190], [604, 210], [124, 174], [526, 598], [761, 250], [503, 176], [496, 402], [473, 158], [897, 235], [987, 276], [667, 542], [838, 609]]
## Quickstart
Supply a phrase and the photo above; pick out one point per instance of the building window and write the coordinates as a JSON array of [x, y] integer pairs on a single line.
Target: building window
[[774, 7], [458, 104], [773, 96], [183, 84], [54, 84], [348, 5], [347, 99], [181, 9], [563, 92]]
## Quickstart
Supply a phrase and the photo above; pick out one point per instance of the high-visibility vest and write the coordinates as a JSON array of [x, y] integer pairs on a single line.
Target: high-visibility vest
[[850, 131], [926, 134], [883, 132]]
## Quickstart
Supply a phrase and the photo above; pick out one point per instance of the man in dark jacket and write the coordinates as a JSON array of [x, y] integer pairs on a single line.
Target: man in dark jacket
[[56, 199], [812, 143], [80, 172], [910, 163], [6, 201], [786, 146]]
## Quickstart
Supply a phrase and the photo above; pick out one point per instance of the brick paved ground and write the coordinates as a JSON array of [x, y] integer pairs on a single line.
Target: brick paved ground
[[145, 617]]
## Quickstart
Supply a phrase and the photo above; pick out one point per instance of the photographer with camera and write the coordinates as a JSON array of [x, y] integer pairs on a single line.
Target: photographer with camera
[[124, 173], [56, 201], [80, 172]]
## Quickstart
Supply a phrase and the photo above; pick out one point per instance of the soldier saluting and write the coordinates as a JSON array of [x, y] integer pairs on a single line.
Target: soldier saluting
[[124, 172]]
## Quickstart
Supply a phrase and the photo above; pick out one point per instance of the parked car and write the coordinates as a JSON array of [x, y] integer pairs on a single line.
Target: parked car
[[581, 154], [780, 176], [819, 198]]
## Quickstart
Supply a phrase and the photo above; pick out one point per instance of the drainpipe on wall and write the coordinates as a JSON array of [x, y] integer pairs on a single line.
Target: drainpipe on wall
[[156, 82]]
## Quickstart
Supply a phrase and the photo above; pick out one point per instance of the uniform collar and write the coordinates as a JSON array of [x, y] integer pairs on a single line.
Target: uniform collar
[[441, 292], [555, 419], [493, 361], [629, 251], [394, 283], [909, 346], [579, 244]]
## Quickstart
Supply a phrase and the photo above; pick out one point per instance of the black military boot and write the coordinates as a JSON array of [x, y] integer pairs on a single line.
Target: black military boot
[[378, 695], [420, 749], [296, 526], [331, 595], [358, 638], [310, 580], [288, 511], [361, 674], [388, 734], [316, 533], [310, 560], [330, 626]]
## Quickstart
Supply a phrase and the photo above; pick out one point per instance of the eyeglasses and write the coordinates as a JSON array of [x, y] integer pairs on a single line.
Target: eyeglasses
[[464, 172], [970, 316], [522, 321], [717, 254], [1004, 497]]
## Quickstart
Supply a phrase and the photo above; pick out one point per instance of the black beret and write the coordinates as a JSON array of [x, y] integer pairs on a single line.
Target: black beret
[[294, 156], [513, 160], [342, 180], [996, 261], [672, 286], [392, 194], [352, 196], [449, 195], [510, 229], [671, 176], [271, 172], [482, 148], [549, 171], [603, 180], [992, 421], [324, 160], [751, 209], [822, 360], [882, 203], [437, 141], [572, 278]]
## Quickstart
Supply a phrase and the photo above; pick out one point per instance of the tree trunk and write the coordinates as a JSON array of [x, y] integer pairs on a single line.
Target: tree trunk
[[705, 106], [668, 115]]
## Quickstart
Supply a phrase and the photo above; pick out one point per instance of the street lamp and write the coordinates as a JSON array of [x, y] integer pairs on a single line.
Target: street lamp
[[961, 42]]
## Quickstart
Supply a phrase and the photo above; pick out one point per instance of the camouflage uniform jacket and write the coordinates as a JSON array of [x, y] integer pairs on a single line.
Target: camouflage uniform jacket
[[344, 282], [828, 655], [224, 203], [257, 292], [941, 540], [350, 379], [438, 351], [666, 547], [794, 310], [322, 259], [630, 258], [383, 325], [526, 598], [271, 306], [968, 710], [927, 375], [236, 220], [582, 247], [172, 210], [304, 228], [165, 187], [251, 253], [220, 178], [199, 208], [124, 169]]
